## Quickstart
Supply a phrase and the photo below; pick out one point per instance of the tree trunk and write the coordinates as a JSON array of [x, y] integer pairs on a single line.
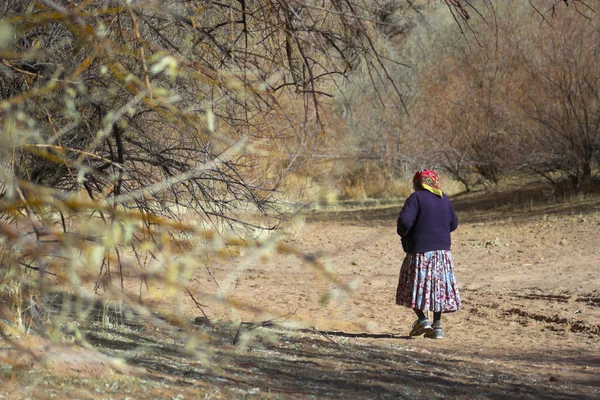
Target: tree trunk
[[586, 177]]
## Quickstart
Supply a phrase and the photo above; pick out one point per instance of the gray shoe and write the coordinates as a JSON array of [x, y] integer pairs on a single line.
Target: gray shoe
[[435, 333], [420, 327]]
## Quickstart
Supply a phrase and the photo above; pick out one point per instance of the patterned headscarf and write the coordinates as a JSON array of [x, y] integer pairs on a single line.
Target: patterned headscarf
[[428, 180]]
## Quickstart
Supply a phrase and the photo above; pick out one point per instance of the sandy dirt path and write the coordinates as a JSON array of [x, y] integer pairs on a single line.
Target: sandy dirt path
[[529, 279], [529, 328]]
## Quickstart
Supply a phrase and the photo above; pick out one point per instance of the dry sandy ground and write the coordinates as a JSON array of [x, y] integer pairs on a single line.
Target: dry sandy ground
[[529, 279], [530, 325]]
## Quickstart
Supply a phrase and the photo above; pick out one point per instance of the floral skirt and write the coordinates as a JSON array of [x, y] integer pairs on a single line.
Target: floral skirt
[[427, 282]]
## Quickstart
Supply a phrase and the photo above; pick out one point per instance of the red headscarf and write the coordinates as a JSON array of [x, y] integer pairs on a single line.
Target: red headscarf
[[428, 180]]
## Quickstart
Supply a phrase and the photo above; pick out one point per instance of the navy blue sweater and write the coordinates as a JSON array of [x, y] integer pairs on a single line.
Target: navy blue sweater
[[425, 222]]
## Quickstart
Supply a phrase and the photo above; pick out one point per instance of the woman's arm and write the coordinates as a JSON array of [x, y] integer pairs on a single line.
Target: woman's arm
[[407, 216], [453, 218]]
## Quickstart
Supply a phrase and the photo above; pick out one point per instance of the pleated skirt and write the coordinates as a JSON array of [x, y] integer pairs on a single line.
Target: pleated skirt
[[427, 282]]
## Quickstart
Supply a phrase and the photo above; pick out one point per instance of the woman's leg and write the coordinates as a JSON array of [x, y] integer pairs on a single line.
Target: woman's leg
[[436, 332], [420, 314], [437, 319]]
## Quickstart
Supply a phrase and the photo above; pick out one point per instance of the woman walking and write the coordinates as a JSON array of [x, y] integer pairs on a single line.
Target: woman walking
[[427, 274]]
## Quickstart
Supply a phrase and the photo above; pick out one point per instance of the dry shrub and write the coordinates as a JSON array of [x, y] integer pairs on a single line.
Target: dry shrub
[[525, 100], [143, 142], [449, 185], [370, 181], [306, 189]]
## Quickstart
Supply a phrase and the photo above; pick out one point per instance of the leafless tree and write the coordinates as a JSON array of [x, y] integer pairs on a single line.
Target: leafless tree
[[525, 100], [131, 113], [563, 97]]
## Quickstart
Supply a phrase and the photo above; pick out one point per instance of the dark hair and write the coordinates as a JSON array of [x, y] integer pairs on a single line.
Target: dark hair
[[417, 185]]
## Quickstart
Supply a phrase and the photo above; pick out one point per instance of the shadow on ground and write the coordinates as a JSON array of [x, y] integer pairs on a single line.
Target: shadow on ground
[[276, 362]]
